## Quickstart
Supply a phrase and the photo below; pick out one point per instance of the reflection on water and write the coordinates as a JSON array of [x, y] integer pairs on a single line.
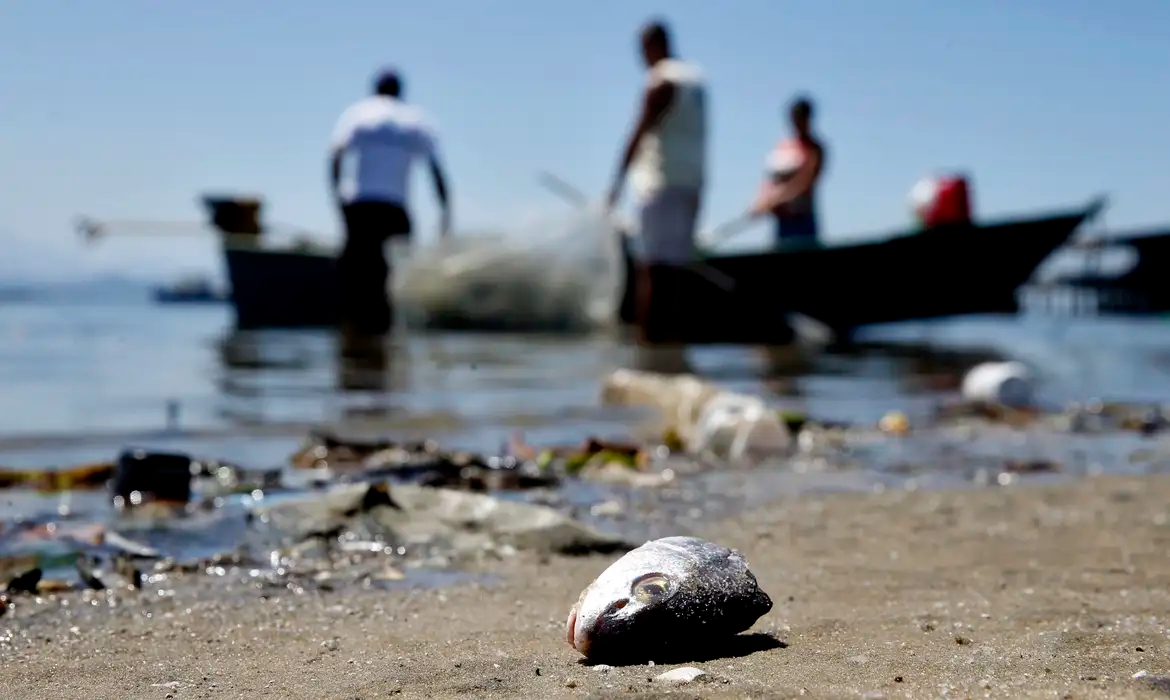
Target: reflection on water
[[663, 359], [89, 366], [367, 370], [362, 362]]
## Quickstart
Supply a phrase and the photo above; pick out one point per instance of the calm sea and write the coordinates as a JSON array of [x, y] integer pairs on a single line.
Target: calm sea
[[87, 369]]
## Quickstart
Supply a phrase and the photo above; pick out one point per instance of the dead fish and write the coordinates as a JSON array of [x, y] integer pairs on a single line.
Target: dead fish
[[669, 594]]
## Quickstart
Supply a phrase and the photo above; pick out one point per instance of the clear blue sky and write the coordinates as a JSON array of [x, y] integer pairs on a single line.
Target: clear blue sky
[[130, 108]]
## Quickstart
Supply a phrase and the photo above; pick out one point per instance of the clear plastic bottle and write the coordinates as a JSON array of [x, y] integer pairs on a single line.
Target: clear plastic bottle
[[1005, 383]]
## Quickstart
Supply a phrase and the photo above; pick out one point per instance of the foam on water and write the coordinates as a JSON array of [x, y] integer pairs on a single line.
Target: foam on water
[[560, 273]]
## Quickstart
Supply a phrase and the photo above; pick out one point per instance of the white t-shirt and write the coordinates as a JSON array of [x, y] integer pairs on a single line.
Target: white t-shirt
[[384, 136]]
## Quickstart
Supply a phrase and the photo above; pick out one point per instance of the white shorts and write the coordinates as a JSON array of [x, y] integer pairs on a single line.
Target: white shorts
[[667, 219]]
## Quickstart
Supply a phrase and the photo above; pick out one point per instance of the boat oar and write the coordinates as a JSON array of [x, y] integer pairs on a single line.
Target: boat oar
[[91, 229], [563, 189], [729, 229], [578, 198]]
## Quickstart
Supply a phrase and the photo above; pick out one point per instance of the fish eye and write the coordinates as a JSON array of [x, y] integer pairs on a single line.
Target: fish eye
[[651, 586]]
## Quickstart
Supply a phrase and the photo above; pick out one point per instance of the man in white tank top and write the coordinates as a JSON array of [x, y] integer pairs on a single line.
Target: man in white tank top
[[666, 159], [381, 137]]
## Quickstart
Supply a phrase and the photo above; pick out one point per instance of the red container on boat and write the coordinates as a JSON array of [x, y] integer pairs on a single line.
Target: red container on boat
[[951, 203]]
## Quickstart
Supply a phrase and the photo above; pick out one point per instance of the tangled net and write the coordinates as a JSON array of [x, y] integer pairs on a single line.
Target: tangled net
[[560, 274]]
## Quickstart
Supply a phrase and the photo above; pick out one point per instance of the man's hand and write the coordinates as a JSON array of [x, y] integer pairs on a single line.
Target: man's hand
[[335, 177], [767, 201], [440, 180]]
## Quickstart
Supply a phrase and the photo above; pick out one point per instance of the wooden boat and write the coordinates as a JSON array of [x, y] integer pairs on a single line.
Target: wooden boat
[[273, 286], [945, 271], [1141, 289]]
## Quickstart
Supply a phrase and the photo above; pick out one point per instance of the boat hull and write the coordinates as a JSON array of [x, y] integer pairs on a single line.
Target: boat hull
[[282, 289], [948, 271]]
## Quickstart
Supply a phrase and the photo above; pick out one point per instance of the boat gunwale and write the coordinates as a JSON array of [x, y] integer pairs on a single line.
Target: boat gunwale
[[1079, 216]]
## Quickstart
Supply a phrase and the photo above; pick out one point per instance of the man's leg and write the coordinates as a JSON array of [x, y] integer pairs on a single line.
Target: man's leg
[[670, 221], [347, 292], [363, 271], [652, 231]]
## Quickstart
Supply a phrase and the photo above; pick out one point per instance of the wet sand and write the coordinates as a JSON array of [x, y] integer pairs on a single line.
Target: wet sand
[[1022, 592]]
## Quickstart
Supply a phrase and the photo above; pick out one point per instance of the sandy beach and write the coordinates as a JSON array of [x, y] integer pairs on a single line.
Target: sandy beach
[[1022, 592]]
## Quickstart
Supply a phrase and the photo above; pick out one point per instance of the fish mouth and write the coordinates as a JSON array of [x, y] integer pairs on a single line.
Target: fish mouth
[[569, 628], [578, 642]]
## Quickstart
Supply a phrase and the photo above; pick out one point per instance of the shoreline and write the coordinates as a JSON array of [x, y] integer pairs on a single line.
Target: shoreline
[[1020, 591]]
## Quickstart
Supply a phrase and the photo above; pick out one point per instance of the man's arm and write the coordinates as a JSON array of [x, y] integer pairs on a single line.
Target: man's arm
[[654, 105], [796, 187], [426, 147], [440, 180], [335, 157], [338, 143]]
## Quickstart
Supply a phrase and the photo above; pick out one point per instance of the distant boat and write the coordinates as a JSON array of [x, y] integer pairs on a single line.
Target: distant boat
[[1143, 288], [192, 290]]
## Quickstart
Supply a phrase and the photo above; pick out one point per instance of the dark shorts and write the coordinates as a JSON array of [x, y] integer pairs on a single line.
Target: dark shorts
[[802, 227], [367, 223], [362, 268]]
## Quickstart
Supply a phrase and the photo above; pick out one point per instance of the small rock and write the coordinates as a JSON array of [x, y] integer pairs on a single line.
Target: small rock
[[603, 668], [607, 509], [859, 659], [570, 683], [894, 423], [679, 676], [330, 645]]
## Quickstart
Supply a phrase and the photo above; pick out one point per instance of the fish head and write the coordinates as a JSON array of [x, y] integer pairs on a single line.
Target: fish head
[[664, 593]]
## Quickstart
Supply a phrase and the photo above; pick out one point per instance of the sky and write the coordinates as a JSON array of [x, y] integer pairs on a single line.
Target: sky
[[133, 108]]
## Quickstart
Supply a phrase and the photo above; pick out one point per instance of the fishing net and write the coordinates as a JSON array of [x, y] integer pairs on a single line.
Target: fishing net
[[560, 273]]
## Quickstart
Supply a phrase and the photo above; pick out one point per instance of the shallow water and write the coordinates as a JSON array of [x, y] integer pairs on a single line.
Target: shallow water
[[85, 376]]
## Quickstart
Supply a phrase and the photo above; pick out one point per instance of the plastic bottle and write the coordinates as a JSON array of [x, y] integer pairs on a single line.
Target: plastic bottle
[[1006, 383], [739, 426], [706, 418]]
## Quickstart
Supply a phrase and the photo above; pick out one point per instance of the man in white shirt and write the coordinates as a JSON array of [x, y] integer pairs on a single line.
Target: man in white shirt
[[666, 158], [381, 136]]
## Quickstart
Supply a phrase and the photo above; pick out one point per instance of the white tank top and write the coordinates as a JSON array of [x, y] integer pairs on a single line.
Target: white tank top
[[674, 153]]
